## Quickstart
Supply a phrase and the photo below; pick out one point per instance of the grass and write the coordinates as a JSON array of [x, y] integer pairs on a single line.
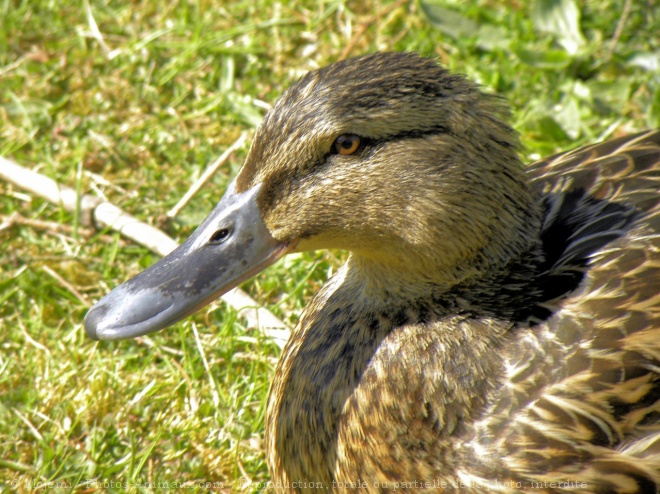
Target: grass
[[132, 105]]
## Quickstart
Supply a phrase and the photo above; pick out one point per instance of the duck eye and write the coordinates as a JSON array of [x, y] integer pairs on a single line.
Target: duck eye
[[346, 144], [220, 236]]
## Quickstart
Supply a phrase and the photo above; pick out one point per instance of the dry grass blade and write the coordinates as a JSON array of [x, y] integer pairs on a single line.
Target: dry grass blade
[[206, 176]]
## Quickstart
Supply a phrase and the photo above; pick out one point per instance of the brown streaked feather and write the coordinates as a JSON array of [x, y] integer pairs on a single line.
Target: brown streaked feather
[[588, 378]]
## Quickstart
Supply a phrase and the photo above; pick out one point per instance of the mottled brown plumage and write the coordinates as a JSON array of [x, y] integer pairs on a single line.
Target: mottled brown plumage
[[496, 328], [492, 330]]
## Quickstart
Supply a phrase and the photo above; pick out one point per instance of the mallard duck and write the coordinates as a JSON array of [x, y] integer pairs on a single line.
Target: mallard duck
[[495, 328]]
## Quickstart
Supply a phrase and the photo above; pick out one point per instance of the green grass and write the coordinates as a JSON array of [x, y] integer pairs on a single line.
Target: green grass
[[145, 106]]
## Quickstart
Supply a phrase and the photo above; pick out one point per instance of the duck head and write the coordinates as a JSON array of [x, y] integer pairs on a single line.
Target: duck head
[[390, 156]]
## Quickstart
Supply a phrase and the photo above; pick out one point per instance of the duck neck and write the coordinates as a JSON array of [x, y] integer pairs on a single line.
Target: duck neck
[[358, 341], [416, 274], [382, 284]]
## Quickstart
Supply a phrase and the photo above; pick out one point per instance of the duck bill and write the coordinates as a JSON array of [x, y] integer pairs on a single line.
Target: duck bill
[[229, 247]]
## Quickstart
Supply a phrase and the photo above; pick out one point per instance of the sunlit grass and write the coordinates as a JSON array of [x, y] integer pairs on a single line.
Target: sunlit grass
[[141, 103]]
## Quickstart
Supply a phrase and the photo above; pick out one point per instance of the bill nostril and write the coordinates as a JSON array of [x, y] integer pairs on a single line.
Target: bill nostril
[[219, 236]]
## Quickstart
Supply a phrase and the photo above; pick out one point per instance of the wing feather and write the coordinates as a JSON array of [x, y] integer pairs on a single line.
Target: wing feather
[[583, 393]]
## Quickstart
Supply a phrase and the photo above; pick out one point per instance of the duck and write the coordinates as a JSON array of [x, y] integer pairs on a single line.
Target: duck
[[495, 327]]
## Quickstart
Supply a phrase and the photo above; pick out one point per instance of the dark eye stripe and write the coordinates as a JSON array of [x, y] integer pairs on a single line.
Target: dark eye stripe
[[413, 134]]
